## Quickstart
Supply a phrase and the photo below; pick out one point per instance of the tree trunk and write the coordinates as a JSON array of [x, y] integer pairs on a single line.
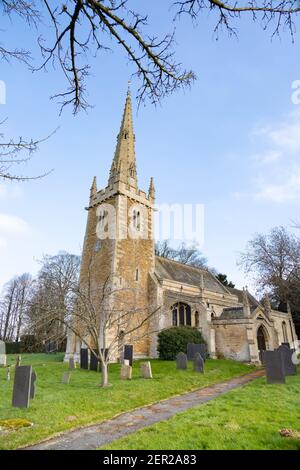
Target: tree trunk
[[104, 375]]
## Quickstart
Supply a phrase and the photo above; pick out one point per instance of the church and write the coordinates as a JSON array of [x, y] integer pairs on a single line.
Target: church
[[233, 323]]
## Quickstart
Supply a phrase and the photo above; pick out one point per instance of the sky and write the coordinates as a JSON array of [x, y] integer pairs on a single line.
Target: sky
[[230, 142]]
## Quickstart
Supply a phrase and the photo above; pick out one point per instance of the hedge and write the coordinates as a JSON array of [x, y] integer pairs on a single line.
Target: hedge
[[13, 348], [174, 340]]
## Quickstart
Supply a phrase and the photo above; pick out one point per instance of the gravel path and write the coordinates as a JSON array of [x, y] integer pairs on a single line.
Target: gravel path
[[98, 435]]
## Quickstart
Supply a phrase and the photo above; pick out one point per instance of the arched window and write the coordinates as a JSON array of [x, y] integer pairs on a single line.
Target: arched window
[[284, 333], [181, 314], [197, 320]]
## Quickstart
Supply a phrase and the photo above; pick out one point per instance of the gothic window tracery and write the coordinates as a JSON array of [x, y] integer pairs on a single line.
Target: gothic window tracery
[[181, 314]]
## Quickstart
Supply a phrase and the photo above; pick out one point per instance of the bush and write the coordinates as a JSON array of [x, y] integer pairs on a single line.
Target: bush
[[13, 348], [29, 344], [175, 340]]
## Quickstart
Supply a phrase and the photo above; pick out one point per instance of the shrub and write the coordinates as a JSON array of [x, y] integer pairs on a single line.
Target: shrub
[[174, 340], [29, 344]]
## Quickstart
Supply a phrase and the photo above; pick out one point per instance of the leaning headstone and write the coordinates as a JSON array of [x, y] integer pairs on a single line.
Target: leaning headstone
[[128, 353], [8, 373], [21, 391], [2, 354], [273, 362], [126, 372], [32, 384], [18, 361], [289, 367], [198, 363], [66, 377], [84, 358], [94, 361], [72, 364], [146, 371], [181, 361]]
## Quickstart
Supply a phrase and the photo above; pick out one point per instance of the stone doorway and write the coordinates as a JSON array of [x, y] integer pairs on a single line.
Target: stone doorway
[[261, 341]]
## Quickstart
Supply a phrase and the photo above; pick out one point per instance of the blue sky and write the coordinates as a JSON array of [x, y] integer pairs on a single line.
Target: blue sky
[[231, 142]]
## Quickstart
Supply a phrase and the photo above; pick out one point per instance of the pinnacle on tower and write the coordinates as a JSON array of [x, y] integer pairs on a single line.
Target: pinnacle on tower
[[123, 169], [151, 192], [246, 304], [94, 187], [267, 305]]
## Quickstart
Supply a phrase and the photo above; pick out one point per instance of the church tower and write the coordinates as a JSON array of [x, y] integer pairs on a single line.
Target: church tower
[[119, 240]]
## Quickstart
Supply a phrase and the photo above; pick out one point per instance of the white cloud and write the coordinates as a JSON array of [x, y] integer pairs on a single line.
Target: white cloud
[[287, 191], [12, 225], [277, 165]]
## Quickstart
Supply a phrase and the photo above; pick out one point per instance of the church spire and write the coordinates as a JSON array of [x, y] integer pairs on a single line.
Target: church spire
[[123, 167]]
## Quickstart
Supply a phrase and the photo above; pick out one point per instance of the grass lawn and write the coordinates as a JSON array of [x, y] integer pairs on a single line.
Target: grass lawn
[[245, 418], [86, 402]]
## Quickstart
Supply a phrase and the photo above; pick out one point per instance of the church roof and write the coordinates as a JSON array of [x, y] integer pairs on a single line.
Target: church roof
[[179, 272], [239, 293], [234, 313]]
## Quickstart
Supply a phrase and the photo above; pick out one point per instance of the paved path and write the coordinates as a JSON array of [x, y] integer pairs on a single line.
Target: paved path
[[98, 435]]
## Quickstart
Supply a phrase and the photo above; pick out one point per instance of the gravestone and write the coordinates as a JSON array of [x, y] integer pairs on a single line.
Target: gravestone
[[126, 362], [190, 351], [32, 384], [8, 373], [2, 354], [193, 349], [21, 391], [72, 364], [50, 347], [18, 361], [181, 361], [203, 351], [128, 353], [289, 367], [94, 362], [273, 362], [84, 358], [66, 377], [146, 371], [198, 363], [126, 372]]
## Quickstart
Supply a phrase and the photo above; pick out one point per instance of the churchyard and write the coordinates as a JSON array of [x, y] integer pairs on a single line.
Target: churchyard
[[257, 416], [59, 406]]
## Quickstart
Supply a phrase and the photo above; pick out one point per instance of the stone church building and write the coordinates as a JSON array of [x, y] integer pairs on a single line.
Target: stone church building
[[233, 323]]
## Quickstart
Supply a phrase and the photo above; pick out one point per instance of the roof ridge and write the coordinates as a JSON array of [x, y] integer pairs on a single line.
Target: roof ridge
[[184, 264]]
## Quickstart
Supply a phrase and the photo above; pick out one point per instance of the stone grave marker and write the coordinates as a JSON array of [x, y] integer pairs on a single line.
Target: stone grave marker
[[126, 362], [32, 384], [66, 377], [198, 363], [289, 367], [72, 364], [203, 351], [8, 373], [126, 372], [21, 390], [128, 353], [181, 361], [190, 351], [94, 362], [146, 371], [273, 362], [84, 358], [2, 354]]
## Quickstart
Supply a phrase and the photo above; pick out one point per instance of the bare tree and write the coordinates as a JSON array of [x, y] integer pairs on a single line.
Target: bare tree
[[15, 152], [274, 261], [53, 291], [276, 14], [13, 306], [83, 27], [183, 254]]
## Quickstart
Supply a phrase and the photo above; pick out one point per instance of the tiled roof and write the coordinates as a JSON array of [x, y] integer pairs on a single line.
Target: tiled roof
[[174, 271]]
